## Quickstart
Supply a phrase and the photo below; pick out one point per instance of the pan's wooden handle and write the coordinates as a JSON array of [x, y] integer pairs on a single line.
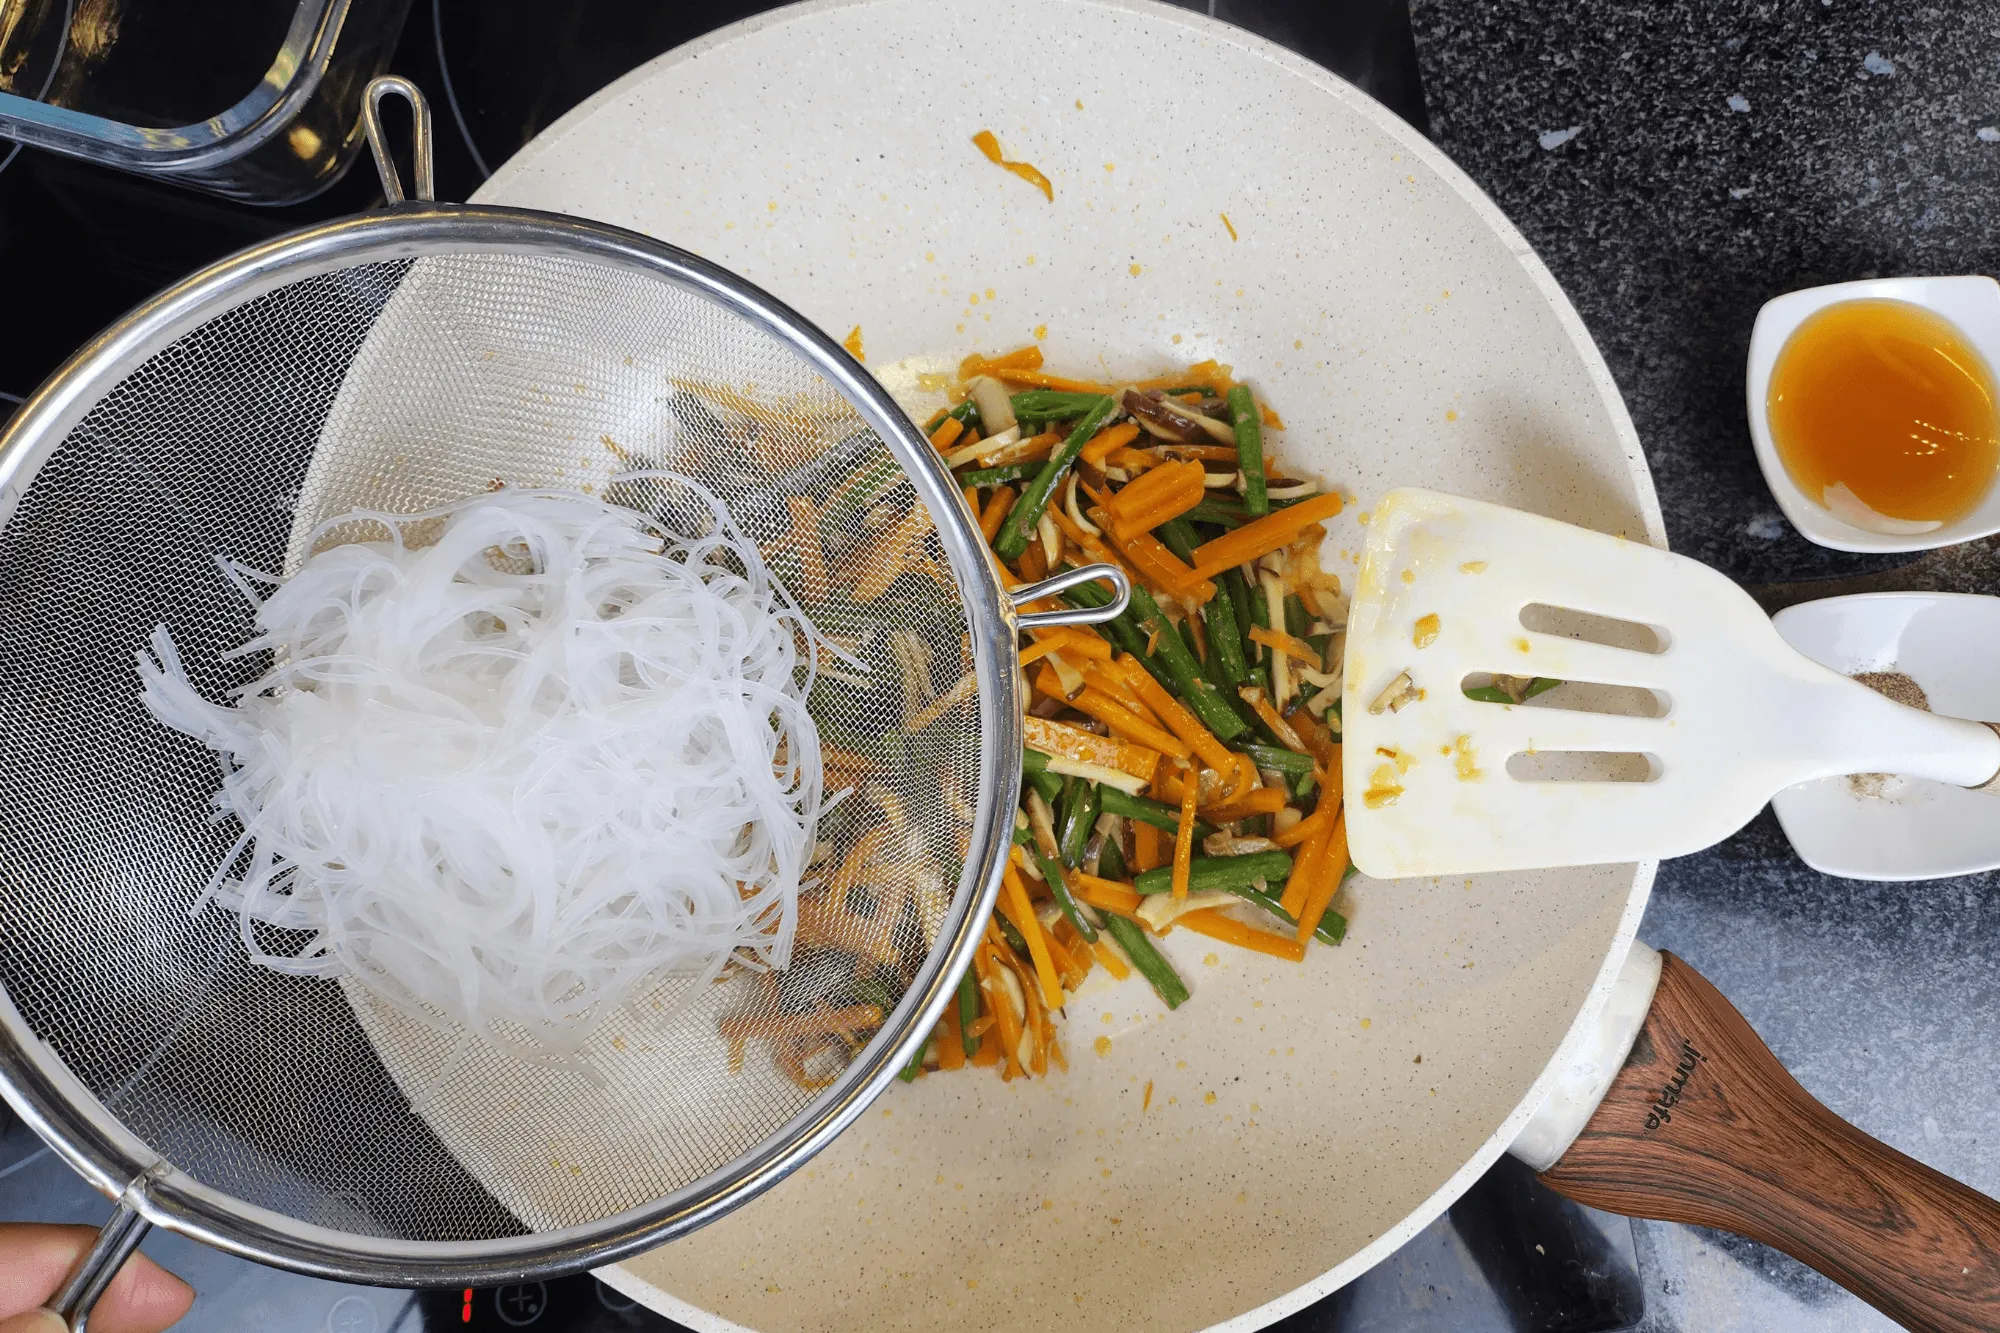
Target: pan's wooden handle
[[1704, 1125]]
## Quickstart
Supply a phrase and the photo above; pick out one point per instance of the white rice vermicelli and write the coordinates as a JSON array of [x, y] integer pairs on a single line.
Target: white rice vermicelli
[[508, 779]]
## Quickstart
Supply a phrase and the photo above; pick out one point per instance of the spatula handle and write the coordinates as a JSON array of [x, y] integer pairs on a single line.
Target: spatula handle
[[1994, 784], [1703, 1125]]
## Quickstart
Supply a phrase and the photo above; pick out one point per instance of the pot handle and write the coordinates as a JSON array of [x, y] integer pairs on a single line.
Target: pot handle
[[1702, 1124]]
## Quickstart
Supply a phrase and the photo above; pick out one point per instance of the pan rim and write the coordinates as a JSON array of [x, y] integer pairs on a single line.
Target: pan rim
[[1590, 359]]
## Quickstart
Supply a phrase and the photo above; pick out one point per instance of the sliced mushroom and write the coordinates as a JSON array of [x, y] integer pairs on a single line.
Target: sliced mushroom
[[1076, 513], [1169, 419], [1157, 421], [996, 408], [1226, 843], [1399, 692], [1218, 431]]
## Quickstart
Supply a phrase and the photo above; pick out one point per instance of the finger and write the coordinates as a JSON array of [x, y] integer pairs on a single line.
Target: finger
[[35, 1258], [143, 1298], [33, 1321]]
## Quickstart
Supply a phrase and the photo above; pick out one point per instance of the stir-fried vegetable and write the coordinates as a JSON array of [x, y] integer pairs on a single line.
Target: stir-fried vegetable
[[1178, 773]]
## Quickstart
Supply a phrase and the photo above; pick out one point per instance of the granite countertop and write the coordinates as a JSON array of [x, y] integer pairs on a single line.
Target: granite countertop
[[1677, 163]]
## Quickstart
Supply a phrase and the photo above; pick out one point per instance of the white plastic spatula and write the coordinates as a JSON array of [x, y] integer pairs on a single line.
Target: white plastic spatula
[[1439, 783]]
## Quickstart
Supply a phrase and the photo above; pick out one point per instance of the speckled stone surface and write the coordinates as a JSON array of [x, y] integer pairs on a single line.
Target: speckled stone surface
[[1676, 164]]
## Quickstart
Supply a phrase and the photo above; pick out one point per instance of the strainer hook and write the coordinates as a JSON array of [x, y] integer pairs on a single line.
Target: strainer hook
[[420, 137], [1075, 615]]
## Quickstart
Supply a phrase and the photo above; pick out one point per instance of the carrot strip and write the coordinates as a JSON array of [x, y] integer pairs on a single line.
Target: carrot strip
[[1021, 358], [1050, 684], [1330, 779], [1059, 956], [950, 1043], [1174, 713], [887, 554], [1156, 564], [1280, 728], [1289, 645], [1271, 419], [1132, 460], [1036, 651], [1311, 824], [1091, 546], [1150, 554], [948, 430], [1035, 1026], [967, 686], [1263, 535], [812, 1023], [1211, 373], [1107, 954], [1014, 903], [1115, 893], [1006, 1020], [990, 146], [1126, 723], [1145, 520], [1044, 1031], [1211, 922], [1040, 380], [1166, 480], [1184, 839], [1107, 440], [1243, 779], [1076, 643], [1112, 681], [1299, 886], [1104, 900], [812, 560], [1087, 747], [1327, 875], [995, 512], [1147, 852], [1320, 743], [1072, 954], [1262, 801]]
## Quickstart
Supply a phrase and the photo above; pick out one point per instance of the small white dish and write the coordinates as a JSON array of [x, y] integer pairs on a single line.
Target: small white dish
[[1972, 303], [1893, 828]]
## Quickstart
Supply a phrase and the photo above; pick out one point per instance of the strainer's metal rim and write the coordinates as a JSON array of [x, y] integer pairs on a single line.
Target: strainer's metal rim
[[86, 1134]]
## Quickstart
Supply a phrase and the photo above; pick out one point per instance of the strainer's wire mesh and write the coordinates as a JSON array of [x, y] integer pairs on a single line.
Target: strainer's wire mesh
[[397, 383]]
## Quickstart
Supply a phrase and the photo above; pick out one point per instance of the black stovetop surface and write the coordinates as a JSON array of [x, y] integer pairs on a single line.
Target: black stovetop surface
[[81, 245]]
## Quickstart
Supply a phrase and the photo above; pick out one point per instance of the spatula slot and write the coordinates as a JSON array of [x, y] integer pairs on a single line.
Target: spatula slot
[[1593, 628], [1582, 766], [1569, 696]]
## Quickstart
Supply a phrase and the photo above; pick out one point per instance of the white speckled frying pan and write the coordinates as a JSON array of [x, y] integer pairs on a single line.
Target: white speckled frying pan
[[1228, 1163]]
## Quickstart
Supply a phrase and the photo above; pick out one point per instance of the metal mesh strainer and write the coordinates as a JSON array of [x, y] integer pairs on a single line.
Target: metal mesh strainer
[[396, 362]]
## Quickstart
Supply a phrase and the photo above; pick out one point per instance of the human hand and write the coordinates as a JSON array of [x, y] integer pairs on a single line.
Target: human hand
[[34, 1260]]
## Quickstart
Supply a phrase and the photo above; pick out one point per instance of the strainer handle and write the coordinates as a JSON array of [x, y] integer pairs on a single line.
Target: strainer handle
[[1075, 615], [116, 1240], [420, 136]]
